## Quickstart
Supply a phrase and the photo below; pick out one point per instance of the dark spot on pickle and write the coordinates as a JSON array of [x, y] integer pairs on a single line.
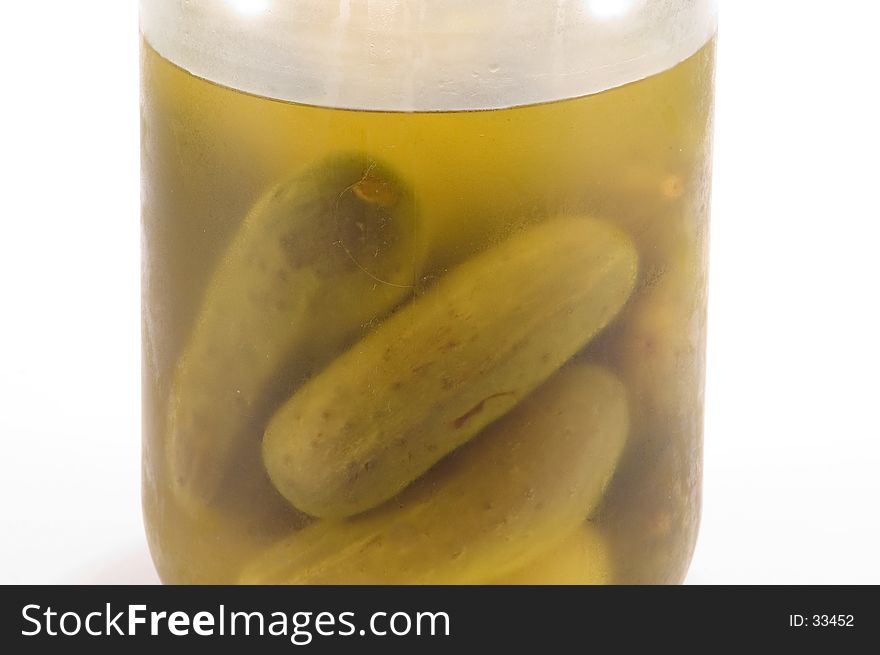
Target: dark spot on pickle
[[449, 345], [477, 409]]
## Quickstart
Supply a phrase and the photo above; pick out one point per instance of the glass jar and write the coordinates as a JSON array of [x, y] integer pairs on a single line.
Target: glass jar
[[424, 289]]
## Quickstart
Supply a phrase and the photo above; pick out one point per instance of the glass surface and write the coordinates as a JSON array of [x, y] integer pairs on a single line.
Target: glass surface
[[405, 332]]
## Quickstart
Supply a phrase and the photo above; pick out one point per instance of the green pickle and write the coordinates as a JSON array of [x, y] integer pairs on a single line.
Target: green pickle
[[491, 507], [446, 365], [316, 258], [427, 347]]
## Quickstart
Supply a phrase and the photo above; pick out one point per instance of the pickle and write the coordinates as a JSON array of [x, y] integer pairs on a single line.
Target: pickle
[[582, 558], [659, 343], [660, 347], [446, 365], [317, 258], [489, 508], [651, 510]]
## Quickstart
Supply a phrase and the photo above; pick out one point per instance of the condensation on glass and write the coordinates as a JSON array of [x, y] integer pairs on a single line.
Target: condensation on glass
[[424, 289]]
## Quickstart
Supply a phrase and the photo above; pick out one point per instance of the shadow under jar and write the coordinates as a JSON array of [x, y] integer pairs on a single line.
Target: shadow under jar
[[424, 289]]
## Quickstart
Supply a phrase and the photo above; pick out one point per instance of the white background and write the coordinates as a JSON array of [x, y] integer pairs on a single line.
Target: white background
[[792, 472]]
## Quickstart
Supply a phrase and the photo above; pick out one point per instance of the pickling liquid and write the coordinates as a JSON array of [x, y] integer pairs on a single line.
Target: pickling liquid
[[431, 347]]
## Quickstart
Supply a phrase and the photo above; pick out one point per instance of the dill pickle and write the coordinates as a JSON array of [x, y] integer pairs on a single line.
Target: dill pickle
[[651, 511], [317, 258], [659, 347], [489, 508], [446, 365], [658, 344], [583, 558]]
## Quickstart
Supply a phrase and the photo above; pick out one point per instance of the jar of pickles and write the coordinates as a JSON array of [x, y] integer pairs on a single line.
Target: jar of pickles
[[424, 289]]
